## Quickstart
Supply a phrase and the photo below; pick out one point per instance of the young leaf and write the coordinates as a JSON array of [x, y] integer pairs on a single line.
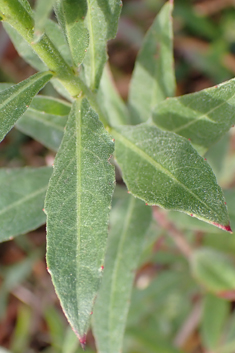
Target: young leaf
[[22, 197], [45, 121], [71, 15], [204, 116], [115, 109], [214, 270], [15, 100], [163, 169], [153, 78], [215, 313], [77, 207], [101, 21], [130, 220], [43, 9]]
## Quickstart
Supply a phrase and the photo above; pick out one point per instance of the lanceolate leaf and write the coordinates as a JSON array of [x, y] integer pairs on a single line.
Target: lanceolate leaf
[[77, 207], [203, 117], [163, 169], [15, 100], [153, 78], [101, 22], [43, 9], [71, 15], [22, 196], [130, 220], [45, 121]]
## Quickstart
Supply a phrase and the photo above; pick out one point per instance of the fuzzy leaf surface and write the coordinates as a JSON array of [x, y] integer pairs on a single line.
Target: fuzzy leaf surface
[[204, 117], [77, 207], [153, 78], [71, 15], [130, 220], [214, 270], [163, 169], [22, 197], [101, 21], [45, 121], [15, 100]]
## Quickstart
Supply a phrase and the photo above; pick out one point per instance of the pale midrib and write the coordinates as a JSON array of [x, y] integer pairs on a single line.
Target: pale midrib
[[78, 123], [155, 164], [206, 115], [22, 200], [20, 91], [91, 44], [117, 262], [45, 122]]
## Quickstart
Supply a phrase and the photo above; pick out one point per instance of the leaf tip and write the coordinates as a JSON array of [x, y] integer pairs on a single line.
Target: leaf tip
[[221, 226], [82, 341]]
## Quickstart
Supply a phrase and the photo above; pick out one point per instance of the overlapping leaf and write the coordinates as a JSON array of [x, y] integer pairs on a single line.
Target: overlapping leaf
[[153, 78], [130, 220], [77, 206], [202, 117], [71, 15], [22, 197], [163, 169], [43, 9], [101, 21], [45, 121], [15, 100]]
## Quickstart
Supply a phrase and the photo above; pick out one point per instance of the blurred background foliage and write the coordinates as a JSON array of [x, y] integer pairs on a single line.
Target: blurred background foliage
[[184, 294]]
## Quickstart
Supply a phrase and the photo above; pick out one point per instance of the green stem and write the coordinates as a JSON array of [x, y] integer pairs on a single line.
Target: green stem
[[13, 12]]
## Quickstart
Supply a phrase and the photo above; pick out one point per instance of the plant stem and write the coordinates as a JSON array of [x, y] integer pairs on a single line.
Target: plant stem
[[13, 12]]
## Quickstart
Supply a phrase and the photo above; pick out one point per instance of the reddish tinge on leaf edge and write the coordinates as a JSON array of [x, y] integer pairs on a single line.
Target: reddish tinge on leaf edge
[[227, 228]]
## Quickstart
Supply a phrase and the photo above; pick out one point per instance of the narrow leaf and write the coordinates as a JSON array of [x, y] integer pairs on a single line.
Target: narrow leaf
[[153, 78], [101, 21], [115, 109], [163, 169], [203, 117], [45, 121], [214, 270], [77, 206], [71, 15], [130, 220], [215, 313], [43, 9], [22, 196], [15, 100]]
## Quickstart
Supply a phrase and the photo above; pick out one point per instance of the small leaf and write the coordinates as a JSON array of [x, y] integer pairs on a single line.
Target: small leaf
[[77, 207], [71, 15], [15, 100], [204, 117], [215, 313], [214, 270], [115, 109], [21, 203], [43, 9], [130, 220], [153, 78], [101, 21], [163, 169]]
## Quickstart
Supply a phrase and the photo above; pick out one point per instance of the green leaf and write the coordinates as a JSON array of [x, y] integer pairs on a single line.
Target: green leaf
[[77, 206], [101, 21], [163, 169], [22, 195], [43, 9], [45, 121], [115, 109], [71, 15], [130, 220], [153, 78], [215, 313], [15, 100], [214, 270], [204, 117]]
